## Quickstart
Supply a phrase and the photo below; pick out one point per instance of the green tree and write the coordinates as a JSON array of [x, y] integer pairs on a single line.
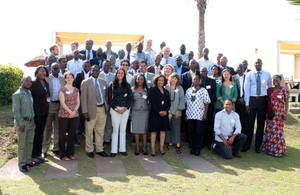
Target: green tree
[[294, 2], [201, 6]]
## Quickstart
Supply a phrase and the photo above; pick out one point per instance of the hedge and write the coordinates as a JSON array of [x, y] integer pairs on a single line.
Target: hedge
[[10, 81]]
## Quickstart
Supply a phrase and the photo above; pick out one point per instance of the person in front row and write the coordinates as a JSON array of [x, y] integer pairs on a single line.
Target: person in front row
[[228, 132], [94, 107]]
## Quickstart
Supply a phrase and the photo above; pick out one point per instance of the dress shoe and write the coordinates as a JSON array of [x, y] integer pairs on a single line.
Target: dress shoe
[[192, 152], [154, 155], [103, 154], [32, 164], [124, 153], [113, 154], [197, 153], [258, 150], [106, 143], [23, 168], [56, 153], [90, 154], [44, 154], [236, 155], [244, 149], [136, 153], [145, 153]]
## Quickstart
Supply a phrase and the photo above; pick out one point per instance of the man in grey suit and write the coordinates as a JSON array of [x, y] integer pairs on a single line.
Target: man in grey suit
[[94, 108], [55, 83], [108, 77], [143, 70]]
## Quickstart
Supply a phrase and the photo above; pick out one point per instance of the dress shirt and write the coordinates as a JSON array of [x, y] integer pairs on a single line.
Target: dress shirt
[[143, 56], [206, 64], [56, 87], [61, 73], [170, 60], [118, 62], [151, 53], [241, 80], [184, 57], [179, 71], [129, 78], [75, 66], [87, 54], [250, 84], [157, 70], [226, 124], [86, 75], [99, 86]]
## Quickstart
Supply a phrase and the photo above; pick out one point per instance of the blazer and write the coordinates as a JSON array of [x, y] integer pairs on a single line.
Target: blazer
[[149, 78], [139, 101], [84, 51], [184, 69], [132, 73], [88, 96], [186, 63], [79, 79], [230, 69], [210, 86], [39, 95], [111, 53], [110, 79], [53, 106], [235, 78], [95, 61], [187, 79], [151, 69]]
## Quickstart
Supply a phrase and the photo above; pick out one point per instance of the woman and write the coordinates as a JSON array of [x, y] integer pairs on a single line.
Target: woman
[[197, 100], [216, 73], [120, 99], [140, 113], [41, 98], [167, 70], [177, 105], [278, 106], [226, 89], [160, 103], [68, 117]]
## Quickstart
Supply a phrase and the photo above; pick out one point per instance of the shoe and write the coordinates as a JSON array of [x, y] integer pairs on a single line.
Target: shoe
[[113, 154], [23, 168], [42, 160], [103, 154], [212, 147], [154, 155], [236, 155], [72, 157], [124, 153], [169, 147], [32, 164], [136, 153], [78, 133], [162, 153], [244, 149], [44, 154], [258, 150], [192, 152], [56, 153], [178, 150], [145, 153], [36, 161], [90, 154], [77, 143], [65, 159], [197, 153], [106, 143]]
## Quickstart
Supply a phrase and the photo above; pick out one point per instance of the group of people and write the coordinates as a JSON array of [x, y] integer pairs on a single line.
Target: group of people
[[103, 94]]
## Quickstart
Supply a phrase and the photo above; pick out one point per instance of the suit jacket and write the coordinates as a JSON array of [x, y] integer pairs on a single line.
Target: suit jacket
[[95, 61], [88, 96], [184, 69], [186, 64], [84, 52], [110, 79], [187, 80], [53, 107], [139, 101], [132, 73], [151, 69], [39, 95], [149, 77], [230, 69], [111, 53], [235, 78], [79, 79], [210, 86]]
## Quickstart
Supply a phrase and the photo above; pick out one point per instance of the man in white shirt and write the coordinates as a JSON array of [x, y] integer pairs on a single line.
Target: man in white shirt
[[227, 129], [149, 50], [166, 57], [75, 65], [108, 51], [205, 61], [121, 54]]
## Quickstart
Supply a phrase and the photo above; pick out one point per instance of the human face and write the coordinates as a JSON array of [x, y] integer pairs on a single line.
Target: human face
[[140, 80], [106, 67], [143, 67], [99, 52], [76, 54], [149, 44], [162, 45], [55, 69], [157, 60], [219, 57], [128, 47], [95, 71], [276, 81], [193, 65], [228, 106], [182, 48], [42, 73], [258, 64], [166, 52], [245, 64], [173, 80], [178, 60], [69, 79], [26, 83], [88, 45], [121, 53], [215, 71], [108, 45], [73, 47], [191, 55], [160, 82], [196, 81], [140, 47], [125, 66], [135, 65], [240, 69], [120, 75], [223, 61], [87, 67], [63, 63], [205, 52], [167, 70], [203, 72], [226, 75], [112, 60], [55, 51]]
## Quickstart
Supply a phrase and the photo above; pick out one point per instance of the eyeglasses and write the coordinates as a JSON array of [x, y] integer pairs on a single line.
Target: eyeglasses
[[125, 65]]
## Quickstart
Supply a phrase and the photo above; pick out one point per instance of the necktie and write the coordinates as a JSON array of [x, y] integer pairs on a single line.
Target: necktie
[[166, 61], [157, 70], [97, 90], [88, 56], [258, 84], [128, 56]]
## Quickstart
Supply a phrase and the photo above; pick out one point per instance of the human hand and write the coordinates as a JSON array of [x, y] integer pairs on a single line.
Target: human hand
[[22, 128], [241, 101], [177, 113], [227, 145], [248, 109]]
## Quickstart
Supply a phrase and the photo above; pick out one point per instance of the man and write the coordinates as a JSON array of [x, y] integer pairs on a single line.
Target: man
[[190, 57], [24, 123], [256, 84], [179, 68], [140, 55], [121, 54], [219, 55], [100, 57], [228, 132], [128, 53], [210, 85], [166, 58], [108, 51], [125, 65], [75, 65], [88, 51], [108, 77], [149, 50], [55, 83], [94, 109], [156, 67], [240, 107], [62, 61], [113, 68], [143, 70], [187, 77], [134, 67], [183, 54], [205, 61], [74, 46], [54, 50], [162, 45], [245, 64], [223, 62]]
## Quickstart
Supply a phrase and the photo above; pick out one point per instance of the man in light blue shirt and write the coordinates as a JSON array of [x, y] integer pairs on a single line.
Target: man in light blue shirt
[[227, 129], [256, 84], [166, 59]]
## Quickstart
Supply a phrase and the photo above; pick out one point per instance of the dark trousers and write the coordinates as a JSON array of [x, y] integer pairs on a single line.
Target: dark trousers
[[40, 122], [241, 110], [227, 152], [80, 123], [195, 134], [209, 127], [66, 125], [258, 109]]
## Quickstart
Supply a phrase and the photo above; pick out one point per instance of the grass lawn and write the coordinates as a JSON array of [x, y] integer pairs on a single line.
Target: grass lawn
[[253, 174]]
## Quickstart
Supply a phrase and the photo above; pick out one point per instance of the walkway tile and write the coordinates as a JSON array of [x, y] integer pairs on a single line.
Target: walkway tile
[[110, 167], [11, 170], [62, 169]]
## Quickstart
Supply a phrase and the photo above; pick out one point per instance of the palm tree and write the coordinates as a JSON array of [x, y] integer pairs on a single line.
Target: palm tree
[[294, 2], [201, 6]]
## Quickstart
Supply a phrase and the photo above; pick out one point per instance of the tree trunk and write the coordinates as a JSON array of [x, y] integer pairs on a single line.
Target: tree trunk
[[201, 5]]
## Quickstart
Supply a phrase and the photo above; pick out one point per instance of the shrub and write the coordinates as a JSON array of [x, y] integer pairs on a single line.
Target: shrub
[[10, 81]]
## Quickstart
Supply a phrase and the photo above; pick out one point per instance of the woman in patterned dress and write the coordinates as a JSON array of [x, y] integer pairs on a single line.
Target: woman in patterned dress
[[278, 106]]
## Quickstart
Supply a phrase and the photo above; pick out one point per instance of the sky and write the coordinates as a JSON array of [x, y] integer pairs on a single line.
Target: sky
[[233, 27]]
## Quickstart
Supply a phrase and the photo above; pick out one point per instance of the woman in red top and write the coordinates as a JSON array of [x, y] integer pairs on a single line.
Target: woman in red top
[[67, 117]]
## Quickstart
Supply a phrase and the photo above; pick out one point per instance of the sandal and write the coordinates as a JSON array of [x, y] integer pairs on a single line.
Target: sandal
[[178, 150], [65, 158], [72, 157], [169, 147]]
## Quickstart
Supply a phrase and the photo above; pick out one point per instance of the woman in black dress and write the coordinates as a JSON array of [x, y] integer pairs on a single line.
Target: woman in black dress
[[160, 103]]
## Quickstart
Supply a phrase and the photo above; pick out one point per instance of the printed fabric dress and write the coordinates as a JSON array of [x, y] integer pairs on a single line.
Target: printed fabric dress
[[274, 142]]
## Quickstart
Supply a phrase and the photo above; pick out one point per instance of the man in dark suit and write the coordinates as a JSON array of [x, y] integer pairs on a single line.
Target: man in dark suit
[[245, 64], [210, 85], [190, 57], [109, 52], [179, 68], [99, 59], [224, 65], [135, 64], [88, 51], [143, 70], [240, 107], [156, 67], [187, 77]]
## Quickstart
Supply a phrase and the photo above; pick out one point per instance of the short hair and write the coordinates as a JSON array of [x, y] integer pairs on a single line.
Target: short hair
[[104, 62], [174, 74], [125, 60], [229, 100], [143, 61], [52, 47], [86, 62], [75, 43], [68, 73], [156, 77], [61, 59], [89, 40], [219, 54], [38, 68]]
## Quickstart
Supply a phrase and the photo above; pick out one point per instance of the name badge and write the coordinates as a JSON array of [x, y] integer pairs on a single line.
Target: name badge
[[104, 87], [232, 121], [176, 90], [144, 96], [68, 92], [48, 99], [148, 81], [125, 95], [208, 87], [279, 96], [263, 81], [162, 102], [230, 86]]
